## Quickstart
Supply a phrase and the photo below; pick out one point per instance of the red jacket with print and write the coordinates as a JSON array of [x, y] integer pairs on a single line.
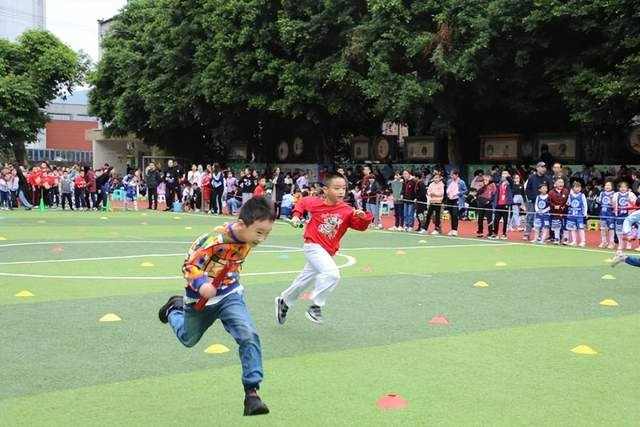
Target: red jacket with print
[[329, 222]]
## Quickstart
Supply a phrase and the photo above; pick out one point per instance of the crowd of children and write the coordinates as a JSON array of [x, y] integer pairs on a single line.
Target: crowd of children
[[546, 205]]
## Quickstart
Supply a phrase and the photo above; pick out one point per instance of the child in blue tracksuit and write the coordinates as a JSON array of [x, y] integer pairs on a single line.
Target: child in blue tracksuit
[[607, 217], [576, 214], [542, 218], [213, 292], [623, 202]]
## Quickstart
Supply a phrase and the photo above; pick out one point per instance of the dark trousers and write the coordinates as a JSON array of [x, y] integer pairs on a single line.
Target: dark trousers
[[398, 213], [152, 194], [502, 213], [421, 208], [216, 199], [80, 199], [67, 197], [454, 212], [434, 209], [484, 213]]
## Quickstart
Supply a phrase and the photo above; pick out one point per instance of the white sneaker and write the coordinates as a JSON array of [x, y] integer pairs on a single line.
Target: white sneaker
[[452, 233], [602, 245], [379, 227], [629, 247], [422, 231], [571, 244], [611, 246], [582, 244], [435, 233], [620, 257]]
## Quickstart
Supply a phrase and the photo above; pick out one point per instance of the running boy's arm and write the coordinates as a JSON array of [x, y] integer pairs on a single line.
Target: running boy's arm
[[360, 219], [299, 209]]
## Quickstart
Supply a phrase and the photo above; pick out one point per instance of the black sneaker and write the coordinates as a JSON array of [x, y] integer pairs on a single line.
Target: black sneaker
[[253, 405], [314, 313], [281, 310], [174, 302]]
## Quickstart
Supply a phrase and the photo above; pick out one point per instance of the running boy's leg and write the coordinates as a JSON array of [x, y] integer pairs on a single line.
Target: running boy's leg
[[236, 320], [291, 294], [189, 324]]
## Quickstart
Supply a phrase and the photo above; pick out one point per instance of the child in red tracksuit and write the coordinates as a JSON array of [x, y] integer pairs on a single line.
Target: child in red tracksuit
[[331, 217]]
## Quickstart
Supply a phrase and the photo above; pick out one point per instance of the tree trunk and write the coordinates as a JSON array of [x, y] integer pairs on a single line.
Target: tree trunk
[[20, 152], [453, 147]]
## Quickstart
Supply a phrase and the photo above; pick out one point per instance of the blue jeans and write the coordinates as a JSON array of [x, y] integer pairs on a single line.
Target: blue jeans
[[189, 326], [409, 214], [375, 211]]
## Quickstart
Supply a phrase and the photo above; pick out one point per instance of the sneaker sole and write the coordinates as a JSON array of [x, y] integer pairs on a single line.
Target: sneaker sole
[[313, 319], [278, 312]]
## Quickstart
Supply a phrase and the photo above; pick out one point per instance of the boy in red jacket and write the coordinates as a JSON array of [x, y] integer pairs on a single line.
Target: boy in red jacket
[[330, 219]]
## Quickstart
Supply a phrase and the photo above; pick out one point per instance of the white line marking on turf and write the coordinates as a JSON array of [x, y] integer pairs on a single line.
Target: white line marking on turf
[[380, 248], [428, 276], [282, 249], [351, 261]]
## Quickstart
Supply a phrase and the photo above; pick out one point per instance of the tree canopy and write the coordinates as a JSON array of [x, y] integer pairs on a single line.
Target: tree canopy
[[199, 74], [33, 71]]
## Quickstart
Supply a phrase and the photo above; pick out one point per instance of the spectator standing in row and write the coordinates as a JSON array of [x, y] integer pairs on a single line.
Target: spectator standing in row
[[531, 193], [456, 190], [485, 210], [518, 202], [66, 190], [371, 196], [398, 206], [503, 199], [247, 185], [558, 197], [217, 184], [279, 187], [152, 177], [409, 199], [435, 194]]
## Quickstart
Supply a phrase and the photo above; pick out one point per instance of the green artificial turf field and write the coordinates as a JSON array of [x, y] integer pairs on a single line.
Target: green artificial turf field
[[504, 358]]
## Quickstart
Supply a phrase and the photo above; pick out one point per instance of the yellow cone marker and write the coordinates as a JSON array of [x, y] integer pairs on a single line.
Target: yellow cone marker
[[501, 264], [176, 217], [103, 217], [110, 317], [188, 228], [401, 252], [584, 349], [3, 238], [146, 264], [422, 241], [24, 294], [608, 260], [144, 214], [481, 284], [41, 221], [608, 277], [216, 349], [609, 302], [144, 223]]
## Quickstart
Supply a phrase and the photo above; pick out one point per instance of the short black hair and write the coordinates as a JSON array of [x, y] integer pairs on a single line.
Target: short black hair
[[257, 209], [333, 176]]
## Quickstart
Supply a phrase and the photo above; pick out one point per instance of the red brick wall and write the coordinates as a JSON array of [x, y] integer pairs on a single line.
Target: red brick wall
[[68, 135]]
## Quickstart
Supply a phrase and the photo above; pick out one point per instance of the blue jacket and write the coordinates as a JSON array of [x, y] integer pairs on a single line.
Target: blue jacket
[[462, 190]]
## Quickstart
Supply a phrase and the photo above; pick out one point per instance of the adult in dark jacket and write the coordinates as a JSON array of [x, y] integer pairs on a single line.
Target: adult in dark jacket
[[24, 189], [531, 192], [152, 177], [280, 187], [171, 181], [409, 199], [102, 176]]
